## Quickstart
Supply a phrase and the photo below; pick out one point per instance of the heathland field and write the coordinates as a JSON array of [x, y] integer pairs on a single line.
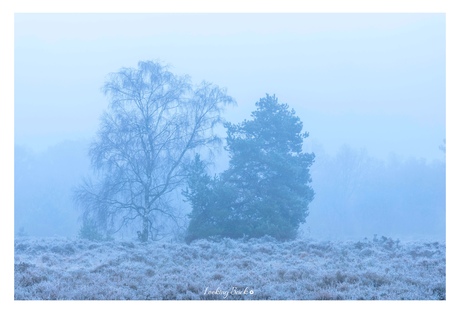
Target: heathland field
[[370, 269]]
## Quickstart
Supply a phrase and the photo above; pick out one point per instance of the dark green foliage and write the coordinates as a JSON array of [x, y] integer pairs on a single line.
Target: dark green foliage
[[90, 231], [211, 202], [265, 190]]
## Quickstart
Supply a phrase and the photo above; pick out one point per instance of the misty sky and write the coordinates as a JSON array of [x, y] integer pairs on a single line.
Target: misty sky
[[373, 81]]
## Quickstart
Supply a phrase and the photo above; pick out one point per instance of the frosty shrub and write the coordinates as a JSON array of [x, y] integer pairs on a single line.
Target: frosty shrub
[[57, 268], [90, 231]]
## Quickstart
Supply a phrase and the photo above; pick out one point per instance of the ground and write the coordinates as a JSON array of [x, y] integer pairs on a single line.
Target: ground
[[258, 269]]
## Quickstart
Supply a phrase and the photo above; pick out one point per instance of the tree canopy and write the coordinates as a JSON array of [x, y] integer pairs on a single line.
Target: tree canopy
[[265, 190]]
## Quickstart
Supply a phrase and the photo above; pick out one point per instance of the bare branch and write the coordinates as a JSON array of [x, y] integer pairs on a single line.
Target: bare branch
[[154, 123]]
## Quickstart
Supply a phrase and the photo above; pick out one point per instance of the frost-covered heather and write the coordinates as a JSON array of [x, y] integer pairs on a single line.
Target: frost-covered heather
[[380, 268]]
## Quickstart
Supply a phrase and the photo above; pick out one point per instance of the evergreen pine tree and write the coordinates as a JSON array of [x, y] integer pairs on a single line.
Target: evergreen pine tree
[[265, 190]]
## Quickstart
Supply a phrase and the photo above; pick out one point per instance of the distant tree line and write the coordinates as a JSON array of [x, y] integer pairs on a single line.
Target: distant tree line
[[358, 195]]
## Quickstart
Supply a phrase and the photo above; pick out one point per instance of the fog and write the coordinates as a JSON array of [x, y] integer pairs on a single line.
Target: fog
[[369, 89]]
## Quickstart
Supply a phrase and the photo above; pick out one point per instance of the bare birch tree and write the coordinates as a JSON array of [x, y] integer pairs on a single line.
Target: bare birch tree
[[155, 122]]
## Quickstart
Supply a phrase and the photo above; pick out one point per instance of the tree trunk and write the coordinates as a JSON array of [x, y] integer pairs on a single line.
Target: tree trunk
[[144, 235]]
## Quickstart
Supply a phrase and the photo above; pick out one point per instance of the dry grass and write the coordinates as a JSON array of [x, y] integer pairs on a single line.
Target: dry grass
[[378, 269]]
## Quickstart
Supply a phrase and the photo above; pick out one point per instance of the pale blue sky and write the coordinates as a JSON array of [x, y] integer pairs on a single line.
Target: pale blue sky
[[374, 81]]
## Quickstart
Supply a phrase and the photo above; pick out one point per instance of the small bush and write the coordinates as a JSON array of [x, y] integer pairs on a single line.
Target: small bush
[[89, 231]]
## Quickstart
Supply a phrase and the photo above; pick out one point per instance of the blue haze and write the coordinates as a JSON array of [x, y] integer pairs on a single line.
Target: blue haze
[[374, 83]]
